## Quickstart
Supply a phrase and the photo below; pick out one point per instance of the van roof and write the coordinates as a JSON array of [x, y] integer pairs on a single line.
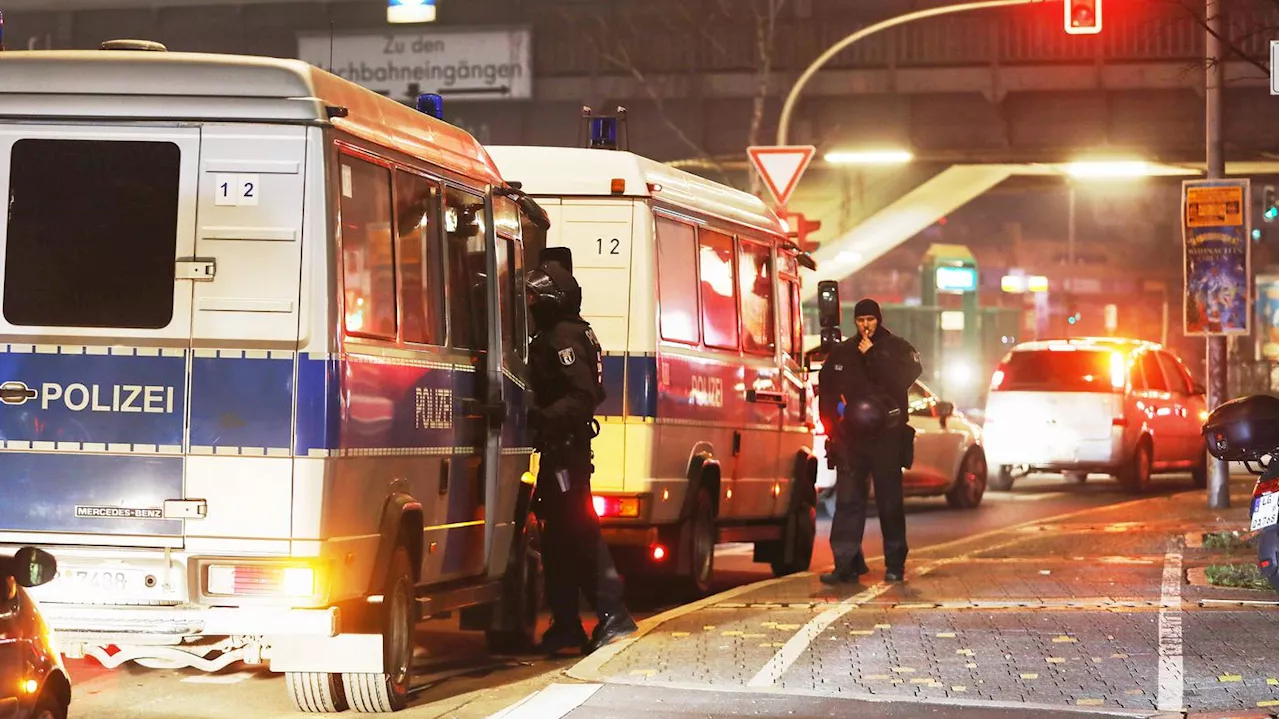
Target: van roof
[[88, 84], [1087, 343], [583, 172]]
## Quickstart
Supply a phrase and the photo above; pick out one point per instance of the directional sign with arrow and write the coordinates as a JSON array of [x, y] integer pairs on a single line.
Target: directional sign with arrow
[[780, 166]]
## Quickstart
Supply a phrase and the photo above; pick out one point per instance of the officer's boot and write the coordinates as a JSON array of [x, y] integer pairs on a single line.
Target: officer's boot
[[846, 570], [563, 635], [611, 626]]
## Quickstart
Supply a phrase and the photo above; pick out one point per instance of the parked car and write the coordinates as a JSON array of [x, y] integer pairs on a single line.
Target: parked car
[[949, 456], [33, 682], [1125, 407]]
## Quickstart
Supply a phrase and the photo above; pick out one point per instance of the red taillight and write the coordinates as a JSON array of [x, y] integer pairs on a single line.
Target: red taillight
[[627, 507], [1119, 422], [997, 379], [658, 552], [1265, 486]]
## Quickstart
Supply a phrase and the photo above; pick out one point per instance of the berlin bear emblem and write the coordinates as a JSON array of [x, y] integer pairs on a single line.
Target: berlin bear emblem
[[567, 357]]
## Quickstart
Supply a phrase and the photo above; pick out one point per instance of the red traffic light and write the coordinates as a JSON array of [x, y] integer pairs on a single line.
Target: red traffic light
[[800, 227], [1082, 17]]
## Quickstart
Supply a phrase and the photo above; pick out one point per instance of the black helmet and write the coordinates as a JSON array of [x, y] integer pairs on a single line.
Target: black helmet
[[1243, 429], [553, 294]]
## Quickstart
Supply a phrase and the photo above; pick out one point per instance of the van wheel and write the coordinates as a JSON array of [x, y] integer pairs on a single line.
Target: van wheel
[[1136, 475], [389, 691], [316, 692], [801, 530], [971, 483], [701, 547], [521, 594], [1000, 478]]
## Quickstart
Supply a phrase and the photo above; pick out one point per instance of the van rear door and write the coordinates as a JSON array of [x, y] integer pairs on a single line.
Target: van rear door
[[95, 324]]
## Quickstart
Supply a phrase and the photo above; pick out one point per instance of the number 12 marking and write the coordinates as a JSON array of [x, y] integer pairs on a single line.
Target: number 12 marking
[[236, 190], [614, 244]]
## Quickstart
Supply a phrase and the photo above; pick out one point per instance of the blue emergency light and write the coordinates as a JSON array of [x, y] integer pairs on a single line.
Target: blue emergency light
[[1, 31], [604, 133], [429, 103]]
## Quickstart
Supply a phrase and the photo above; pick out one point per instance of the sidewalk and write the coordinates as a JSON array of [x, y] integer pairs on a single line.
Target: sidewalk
[[1088, 611]]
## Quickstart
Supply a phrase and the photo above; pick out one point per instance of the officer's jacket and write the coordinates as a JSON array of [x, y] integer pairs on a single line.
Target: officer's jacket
[[843, 376], [565, 364], [893, 365]]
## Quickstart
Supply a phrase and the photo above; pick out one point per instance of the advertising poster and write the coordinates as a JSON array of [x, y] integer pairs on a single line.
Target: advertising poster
[[1268, 317], [1215, 257]]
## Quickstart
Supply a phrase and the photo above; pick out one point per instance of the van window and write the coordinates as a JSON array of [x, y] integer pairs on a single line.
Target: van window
[[468, 284], [511, 287], [677, 281], [755, 277], [1055, 371], [787, 317], [92, 233], [1155, 377], [368, 270], [719, 306], [418, 242], [797, 320]]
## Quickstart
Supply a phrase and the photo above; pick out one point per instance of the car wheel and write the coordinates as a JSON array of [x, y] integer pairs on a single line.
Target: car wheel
[[1200, 472], [522, 594], [1136, 476], [971, 481], [1076, 477], [1000, 478]]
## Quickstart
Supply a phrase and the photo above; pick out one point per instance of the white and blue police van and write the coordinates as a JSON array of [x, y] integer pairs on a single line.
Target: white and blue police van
[[262, 361], [693, 289]]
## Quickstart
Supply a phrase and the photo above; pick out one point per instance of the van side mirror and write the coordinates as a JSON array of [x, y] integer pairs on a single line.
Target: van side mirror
[[33, 567]]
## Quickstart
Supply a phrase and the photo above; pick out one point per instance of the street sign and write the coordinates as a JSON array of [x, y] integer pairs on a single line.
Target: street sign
[[1215, 257], [780, 166], [1275, 74], [460, 65]]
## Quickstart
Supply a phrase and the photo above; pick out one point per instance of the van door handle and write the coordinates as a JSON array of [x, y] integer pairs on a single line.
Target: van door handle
[[766, 397], [444, 475], [495, 413]]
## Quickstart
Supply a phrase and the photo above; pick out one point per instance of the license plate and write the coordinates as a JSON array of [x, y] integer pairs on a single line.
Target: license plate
[[1266, 510], [94, 585]]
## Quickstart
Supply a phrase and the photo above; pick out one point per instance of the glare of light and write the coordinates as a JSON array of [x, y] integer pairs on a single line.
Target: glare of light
[[1121, 169], [868, 157], [29, 686], [786, 226], [666, 494], [299, 581], [716, 273], [597, 503], [1013, 284], [1117, 370], [997, 379], [1037, 283], [659, 552], [1204, 415], [848, 257], [958, 374], [409, 11]]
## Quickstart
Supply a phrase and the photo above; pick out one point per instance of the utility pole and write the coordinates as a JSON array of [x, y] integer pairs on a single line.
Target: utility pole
[[1216, 346]]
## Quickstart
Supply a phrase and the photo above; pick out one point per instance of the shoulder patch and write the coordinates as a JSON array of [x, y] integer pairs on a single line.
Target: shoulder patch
[[567, 356], [915, 357]]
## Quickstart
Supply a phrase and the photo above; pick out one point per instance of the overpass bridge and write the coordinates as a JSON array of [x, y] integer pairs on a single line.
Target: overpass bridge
[[979, 98]]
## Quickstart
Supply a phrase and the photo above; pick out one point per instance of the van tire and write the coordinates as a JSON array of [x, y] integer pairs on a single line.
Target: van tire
[[1200, 472], [802, 530], [522, 589], [701, 547], [1135, 476], [316, 692], [370, 693], [1000, 478]]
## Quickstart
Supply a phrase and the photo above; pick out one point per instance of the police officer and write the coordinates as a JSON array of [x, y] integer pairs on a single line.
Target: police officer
[[565, 368], [863, 394]]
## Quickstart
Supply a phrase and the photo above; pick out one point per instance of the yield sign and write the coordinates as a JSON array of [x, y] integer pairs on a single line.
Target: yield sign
[[780, 166]]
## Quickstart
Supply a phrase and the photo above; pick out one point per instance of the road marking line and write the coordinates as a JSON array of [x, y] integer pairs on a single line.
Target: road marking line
[[1169, 678], [553, 702]]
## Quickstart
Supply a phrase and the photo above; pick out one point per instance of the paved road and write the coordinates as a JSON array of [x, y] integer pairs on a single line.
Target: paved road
[[457, 666]]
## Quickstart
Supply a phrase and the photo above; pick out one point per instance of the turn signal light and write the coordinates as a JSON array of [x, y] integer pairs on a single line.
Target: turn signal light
[[625, 507]]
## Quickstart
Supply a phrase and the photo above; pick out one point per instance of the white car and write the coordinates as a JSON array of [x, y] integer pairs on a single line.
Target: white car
[[949, 457], [1124, 407]]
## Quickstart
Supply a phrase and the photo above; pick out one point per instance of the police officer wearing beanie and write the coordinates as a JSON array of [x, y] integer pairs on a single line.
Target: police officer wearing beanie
[[565, 367], [863, 394]]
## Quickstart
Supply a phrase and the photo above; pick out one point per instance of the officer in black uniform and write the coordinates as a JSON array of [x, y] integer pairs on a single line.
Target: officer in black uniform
[[863, 395], [565, 367]]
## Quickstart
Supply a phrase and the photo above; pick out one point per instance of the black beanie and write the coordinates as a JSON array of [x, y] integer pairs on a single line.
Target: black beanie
[[867, 306]]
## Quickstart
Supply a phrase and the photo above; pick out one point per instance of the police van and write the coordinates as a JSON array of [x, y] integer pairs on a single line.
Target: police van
[[693, 289], [262, 360]]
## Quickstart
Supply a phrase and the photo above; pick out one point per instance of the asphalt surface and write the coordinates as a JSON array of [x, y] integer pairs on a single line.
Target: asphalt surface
[[456, 677]]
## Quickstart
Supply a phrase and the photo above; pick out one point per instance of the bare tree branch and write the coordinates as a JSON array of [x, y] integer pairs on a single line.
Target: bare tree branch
[[1229, 44]]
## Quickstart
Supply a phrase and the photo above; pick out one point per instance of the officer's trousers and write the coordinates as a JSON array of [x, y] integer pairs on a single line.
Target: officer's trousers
[[882, 464], [575, 559]]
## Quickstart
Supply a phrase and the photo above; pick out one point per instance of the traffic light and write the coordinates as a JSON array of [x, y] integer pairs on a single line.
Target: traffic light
[[1082, 17], [1073, 312], [800, 227], [1269, 209]]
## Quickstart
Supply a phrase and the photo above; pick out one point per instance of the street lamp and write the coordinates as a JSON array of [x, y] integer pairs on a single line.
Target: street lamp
[[868, 157], [1122, 169]]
